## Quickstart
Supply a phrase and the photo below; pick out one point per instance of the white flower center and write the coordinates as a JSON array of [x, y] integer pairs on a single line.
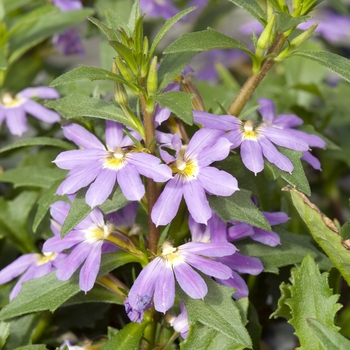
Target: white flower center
[[96, 233], [9, 102], [115, 160], [45, 257]]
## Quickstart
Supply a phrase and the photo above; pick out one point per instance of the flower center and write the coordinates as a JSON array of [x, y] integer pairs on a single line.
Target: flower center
[[170, 254], [188, 169], [115, 160], [249, 132], [96, 233], [45, 258], [8, 101]]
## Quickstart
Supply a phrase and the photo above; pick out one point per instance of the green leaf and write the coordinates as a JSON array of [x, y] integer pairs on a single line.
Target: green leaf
[[328, 338], [171, 66], [4, 333], [109, 32], [44, 203], [179, 103], [311, 297], [127, 338], [126, 54], [253, 8], [205, 40], [3, 58], [10, 5], [117, 202], [77, 105], [32, 176], [239, 207], [297, 178], [285, 21], [86, 73], [218, 315], [166, 27], [33, 347], [283, 310], [48, 293], [323, 231], [42, 29], [337, 64], [115, 21], [134, 15], [37, 141], [292, 250]]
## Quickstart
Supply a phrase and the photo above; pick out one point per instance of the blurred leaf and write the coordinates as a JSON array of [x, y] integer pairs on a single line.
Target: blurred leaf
[[337, 64], [127, 338], [32, 176], [171, 66], [86, 73], [38, 141], [253, 8], [179, 103], [32, 347], [311, 297], [216, 318], [327, 336], [42, 29], [239, 207], [4, 333], [292, 250], [166, 27], [3, 58], [44, 203], [205, 40], [297, 178], [11, 5], [285, 21], [323, 231], [77, 105], [48, 293]]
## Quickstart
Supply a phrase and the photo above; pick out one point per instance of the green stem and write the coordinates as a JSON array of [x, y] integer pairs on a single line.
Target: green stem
[[254, 80]]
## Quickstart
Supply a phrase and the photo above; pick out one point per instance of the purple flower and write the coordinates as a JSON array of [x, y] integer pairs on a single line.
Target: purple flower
[[30, 266], [157, 279], [87, 241], [180, 323], [101, 167], [256, 141], [287, 122], [216, 231], [14, 109], [159, 8], [68, 42], [193, 177]]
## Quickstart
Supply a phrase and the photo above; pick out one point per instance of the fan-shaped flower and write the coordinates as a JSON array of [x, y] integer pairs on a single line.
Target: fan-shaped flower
[[101, 167], [193, 177], [14, 109]]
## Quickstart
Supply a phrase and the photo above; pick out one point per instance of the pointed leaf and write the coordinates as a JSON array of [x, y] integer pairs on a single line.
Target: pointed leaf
[[109, 32], [239, 207], [86, 73], [337, 64], [126, 54], [134, 15], [285, 21], [4, 333], [323, 231], [253, 8], [179, 103]]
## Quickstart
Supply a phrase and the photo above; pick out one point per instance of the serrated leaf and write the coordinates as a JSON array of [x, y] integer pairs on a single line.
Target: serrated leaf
[[283, 310], [44, 203], [297, 178], [32, 176], [292, 250], [253, 8], [311, 297], [127, 338], [219, 314], [77, 105], [323, 231], [205, 40], [86, 73], [4, 333], [179, 103], [239, 207], [109, 32], [285, 21], [328, 338], [166, 27], [171, 66], [48, 293], [337, 64], [37, 141]]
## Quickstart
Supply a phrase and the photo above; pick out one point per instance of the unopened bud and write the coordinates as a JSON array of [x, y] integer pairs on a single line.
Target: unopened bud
[[127, 75], [188, 86], [266, 38], [152, 79]]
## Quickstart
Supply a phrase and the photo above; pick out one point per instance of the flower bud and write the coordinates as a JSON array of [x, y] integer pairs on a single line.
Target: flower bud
[[266, 38], [152, 79], [120, 94], [125, 72]]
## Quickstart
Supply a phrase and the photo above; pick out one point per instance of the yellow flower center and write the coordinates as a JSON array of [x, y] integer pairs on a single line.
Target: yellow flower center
[[45, 258], [170, 254], [8, 101], [96, 233], [249, 131], [188, 169], [115, 160]]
